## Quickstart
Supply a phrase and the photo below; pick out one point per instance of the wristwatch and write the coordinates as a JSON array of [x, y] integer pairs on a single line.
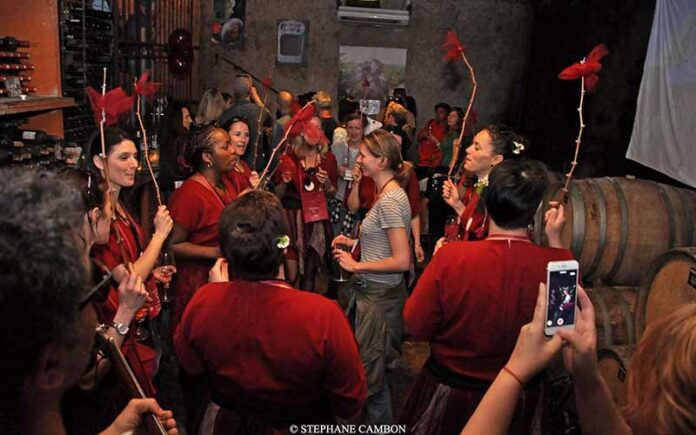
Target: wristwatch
[[120, 328]]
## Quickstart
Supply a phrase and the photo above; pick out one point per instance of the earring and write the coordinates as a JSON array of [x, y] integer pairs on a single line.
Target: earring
[[209, 165]]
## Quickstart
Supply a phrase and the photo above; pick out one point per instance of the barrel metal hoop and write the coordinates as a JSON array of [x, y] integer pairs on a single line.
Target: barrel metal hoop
[[602, 211], [628, 317], [578, 238], [670, 213], [688, 220], [623, 206], [606, 321]]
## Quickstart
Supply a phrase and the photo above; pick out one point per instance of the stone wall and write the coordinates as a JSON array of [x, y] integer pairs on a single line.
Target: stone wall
[[496, 34]]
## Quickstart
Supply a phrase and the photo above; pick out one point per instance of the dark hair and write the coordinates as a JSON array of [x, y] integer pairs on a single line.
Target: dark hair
[[515, 190], [503, 139], [442, 105], [41, 276], [233, 120], [86, 183], [198, 143], [112, 137], [173, 123], [227, 96], [249, 230], [355, 116], [347, 106]]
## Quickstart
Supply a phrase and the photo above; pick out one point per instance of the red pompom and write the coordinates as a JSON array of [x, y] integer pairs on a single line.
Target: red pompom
[[301, 123], [114, 103], [145, 88], [588, 69], [452, 46]]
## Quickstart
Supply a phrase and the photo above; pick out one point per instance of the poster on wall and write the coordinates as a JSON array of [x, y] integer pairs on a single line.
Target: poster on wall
[[370, 73], [229, 25]]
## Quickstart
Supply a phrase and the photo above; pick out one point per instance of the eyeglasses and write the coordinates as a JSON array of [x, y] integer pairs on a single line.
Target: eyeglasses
[[99, 292]]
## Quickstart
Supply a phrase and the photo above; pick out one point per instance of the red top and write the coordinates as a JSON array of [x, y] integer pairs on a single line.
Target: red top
[[290, 163], [132, 245], [473, 299], [368, 193], [268, 345], [196, 206], [236, 181]]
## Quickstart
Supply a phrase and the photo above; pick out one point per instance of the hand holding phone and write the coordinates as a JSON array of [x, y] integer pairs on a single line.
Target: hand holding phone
[[561, 296]]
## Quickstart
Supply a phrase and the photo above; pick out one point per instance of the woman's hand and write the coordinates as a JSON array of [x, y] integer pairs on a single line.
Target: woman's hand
[[419, 254], [450, 194], [131, 293], [164, 274], [132, 417], [439, 244], [580, 357], [254, 179], [555, 221], [163, 222], [534, 350], [343, 240], [345, 260], [357, 174], [322, 176], [219, 272]]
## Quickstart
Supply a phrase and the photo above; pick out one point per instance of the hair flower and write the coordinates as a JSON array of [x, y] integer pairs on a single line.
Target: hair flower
[[481, 184], [518, 148], [283, 241]]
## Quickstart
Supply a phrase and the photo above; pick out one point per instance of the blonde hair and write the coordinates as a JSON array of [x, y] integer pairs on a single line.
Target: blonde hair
[[380, 143], [210, 107], [662, 377], [299, 146], [323, 100]]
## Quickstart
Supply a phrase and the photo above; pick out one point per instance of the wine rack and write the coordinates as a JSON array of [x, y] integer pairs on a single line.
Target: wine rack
[[15, 63], [32, 147], [87, 41]]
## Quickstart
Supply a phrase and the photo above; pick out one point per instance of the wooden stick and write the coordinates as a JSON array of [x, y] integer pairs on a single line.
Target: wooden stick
[[258, 123], [466, 115], [146, 150], [574, 163], [264, 174]]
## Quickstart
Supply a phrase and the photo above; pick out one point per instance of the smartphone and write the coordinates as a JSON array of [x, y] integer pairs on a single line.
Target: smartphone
[[561, 295]]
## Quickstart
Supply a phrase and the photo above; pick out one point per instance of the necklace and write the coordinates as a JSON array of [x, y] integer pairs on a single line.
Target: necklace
[[508, 237], [385, 185]]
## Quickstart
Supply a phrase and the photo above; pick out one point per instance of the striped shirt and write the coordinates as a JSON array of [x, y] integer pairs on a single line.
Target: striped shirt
[[392, 210]]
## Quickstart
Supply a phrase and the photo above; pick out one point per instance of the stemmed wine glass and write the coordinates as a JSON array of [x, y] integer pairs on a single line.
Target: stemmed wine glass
[[167, 269], [341, 277]]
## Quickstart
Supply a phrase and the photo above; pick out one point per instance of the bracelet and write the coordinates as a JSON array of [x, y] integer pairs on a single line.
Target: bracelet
[[517, 378]]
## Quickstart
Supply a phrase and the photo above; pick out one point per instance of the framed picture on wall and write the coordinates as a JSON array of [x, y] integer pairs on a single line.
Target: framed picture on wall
[[293, 37], [229, 25]]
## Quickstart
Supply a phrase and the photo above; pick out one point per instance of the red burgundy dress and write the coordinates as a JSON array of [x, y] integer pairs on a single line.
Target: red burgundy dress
[[470, 304], [275, 356], [196, 206]]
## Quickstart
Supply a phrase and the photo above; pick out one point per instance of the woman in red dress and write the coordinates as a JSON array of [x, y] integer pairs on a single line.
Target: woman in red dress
[[196, 208], [306, 176], [471, 302], [490, 146], [240, 179], [275, 357], [127, 253]]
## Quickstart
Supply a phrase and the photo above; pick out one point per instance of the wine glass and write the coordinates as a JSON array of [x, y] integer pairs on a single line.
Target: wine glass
[[341, 277], [167, 268], [141, 316]]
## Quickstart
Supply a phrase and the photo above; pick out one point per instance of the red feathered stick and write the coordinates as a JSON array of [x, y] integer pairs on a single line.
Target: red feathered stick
[[266, 82], [299, 123], [146, 89], [453, 50], [586, 70]]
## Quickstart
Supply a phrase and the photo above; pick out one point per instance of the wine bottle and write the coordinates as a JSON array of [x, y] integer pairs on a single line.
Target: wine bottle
[[24, 91], [14, 54], [17, 66], [29, 135], [11, 43], [23, 79]]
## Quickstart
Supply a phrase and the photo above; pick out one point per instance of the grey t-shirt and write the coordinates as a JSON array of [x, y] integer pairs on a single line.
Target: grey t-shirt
[[392, 210]]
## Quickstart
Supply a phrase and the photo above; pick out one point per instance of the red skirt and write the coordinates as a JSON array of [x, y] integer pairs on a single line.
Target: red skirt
[[189, 278]]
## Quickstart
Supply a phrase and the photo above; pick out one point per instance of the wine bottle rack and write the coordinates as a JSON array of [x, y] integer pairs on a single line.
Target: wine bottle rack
[[87, 41]]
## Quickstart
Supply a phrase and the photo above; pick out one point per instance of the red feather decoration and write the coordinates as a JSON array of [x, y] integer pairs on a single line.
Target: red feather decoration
[[115, 103], [266, 82], [301, 123], [452, 46], [588, 69], [144, 88]]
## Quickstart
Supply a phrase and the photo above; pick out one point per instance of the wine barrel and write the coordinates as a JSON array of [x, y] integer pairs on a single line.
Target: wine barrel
[[614, 308], [616, 227], [613, 363], [669, 283]]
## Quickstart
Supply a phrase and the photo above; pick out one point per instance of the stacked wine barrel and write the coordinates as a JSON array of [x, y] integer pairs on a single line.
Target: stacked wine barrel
[[633, 240]]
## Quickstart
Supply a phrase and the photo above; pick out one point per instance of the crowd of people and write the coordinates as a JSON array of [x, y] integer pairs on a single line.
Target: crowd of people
[[259, 209]]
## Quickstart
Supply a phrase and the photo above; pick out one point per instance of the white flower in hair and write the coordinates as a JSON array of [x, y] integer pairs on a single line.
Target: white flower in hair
[[283, 241], [519, 147]]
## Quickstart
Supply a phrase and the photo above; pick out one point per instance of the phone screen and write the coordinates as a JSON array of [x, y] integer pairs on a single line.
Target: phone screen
[[561, 307]]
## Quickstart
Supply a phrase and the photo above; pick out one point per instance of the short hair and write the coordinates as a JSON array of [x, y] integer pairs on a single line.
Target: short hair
[[323, 100], [356, 116], [112, 137], [399, 112], [41, 276], [241, 86], [198, 143], [515, 190], [210, 107], [503, 139], [250, 229], [662, 378], [233, 120], [442, 105]]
